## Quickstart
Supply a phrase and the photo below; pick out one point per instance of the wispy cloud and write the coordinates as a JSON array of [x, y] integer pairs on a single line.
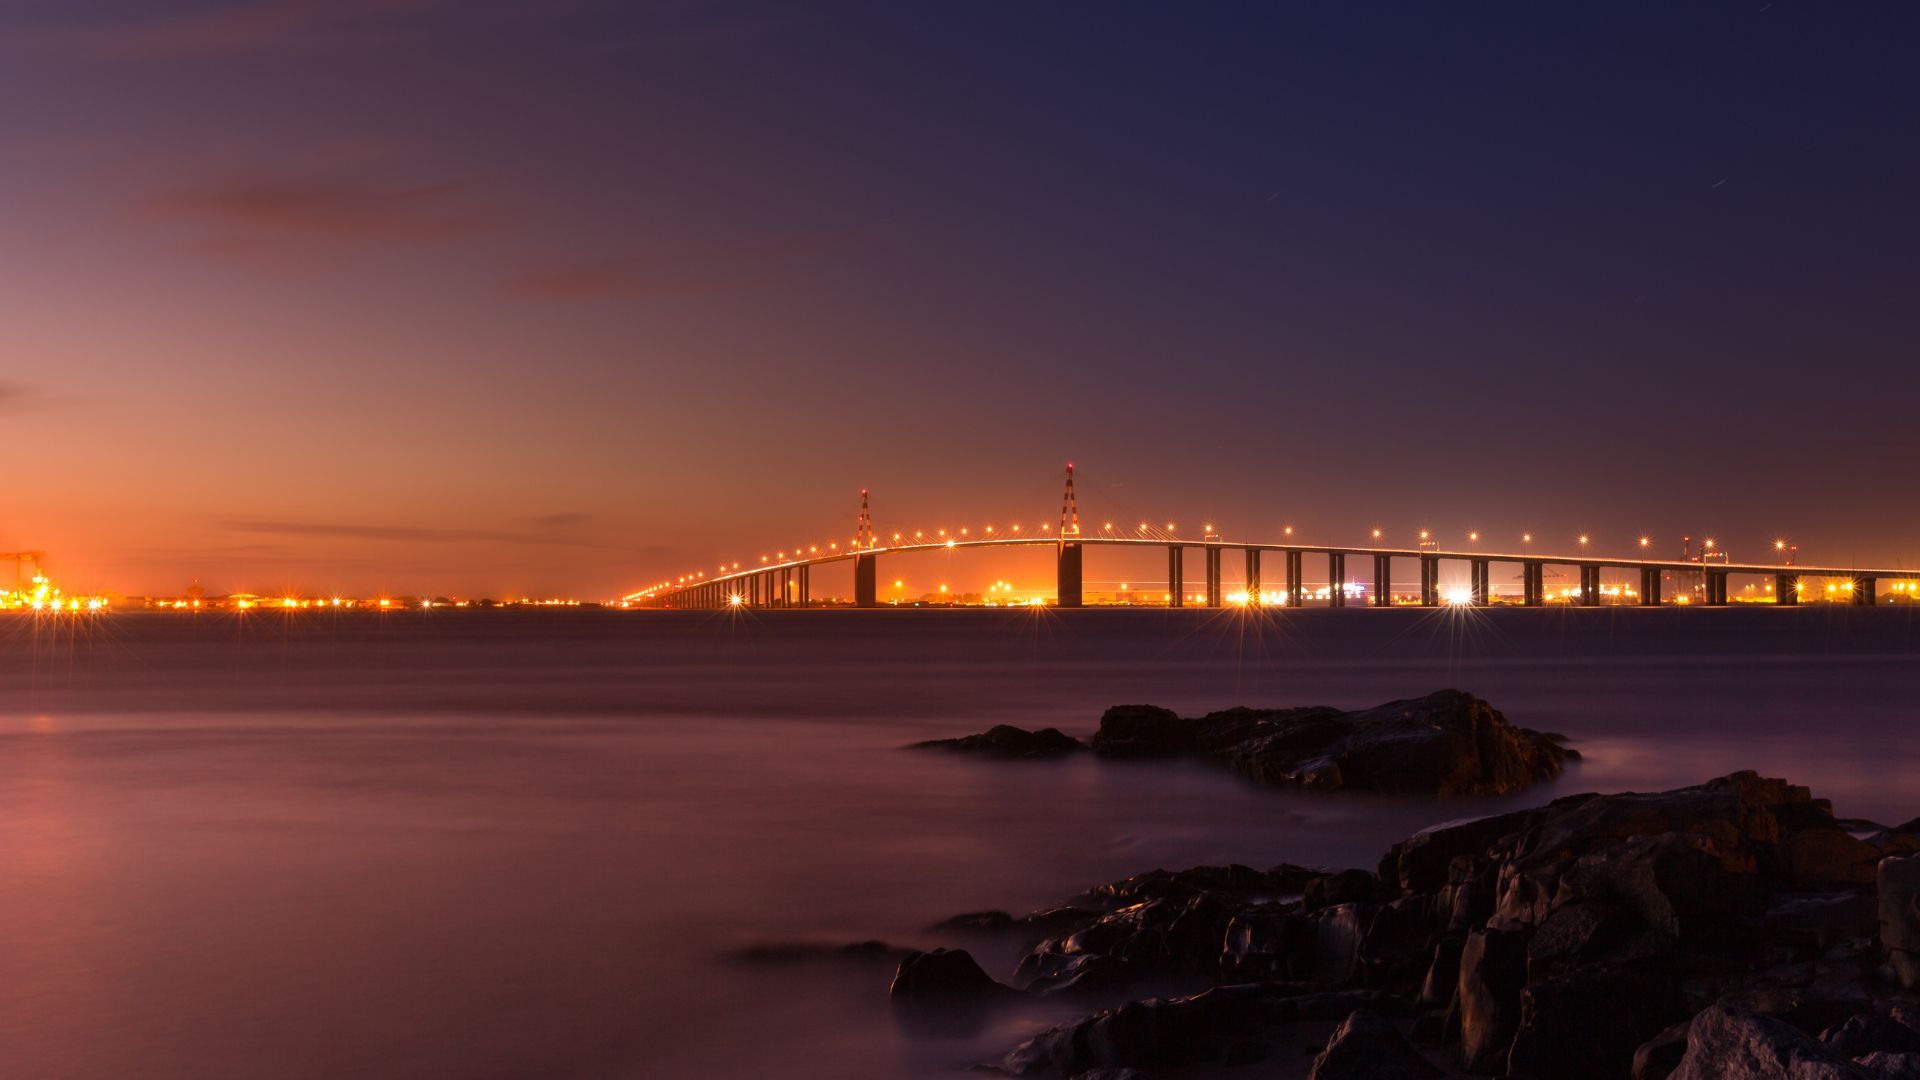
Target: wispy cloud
[[401, 533], [239, 210], [19, 397]]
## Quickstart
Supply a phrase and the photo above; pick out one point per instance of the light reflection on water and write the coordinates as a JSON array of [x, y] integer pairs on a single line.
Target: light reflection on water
[[494, 844]]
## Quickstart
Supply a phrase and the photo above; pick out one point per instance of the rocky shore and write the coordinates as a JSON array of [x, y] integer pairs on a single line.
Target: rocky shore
[[1731, 929], [1447, 743]]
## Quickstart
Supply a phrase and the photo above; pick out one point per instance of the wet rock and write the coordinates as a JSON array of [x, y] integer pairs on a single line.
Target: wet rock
[[1868, 1033], [1828, 857], [1173, 1033], [1726, 1043], [1367, 1047], [943, 975], [976, 922], [1589, 1023], [1898, 890], [1493, 971], [1656, 1058], [1443, 973], [1447, 743], [1084, 974], [1008, 742]]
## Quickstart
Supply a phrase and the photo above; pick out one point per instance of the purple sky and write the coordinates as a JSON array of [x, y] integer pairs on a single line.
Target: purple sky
[[562, 297]]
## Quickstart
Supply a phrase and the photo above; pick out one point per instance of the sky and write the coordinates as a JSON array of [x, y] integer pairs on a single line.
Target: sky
[[561, 297]]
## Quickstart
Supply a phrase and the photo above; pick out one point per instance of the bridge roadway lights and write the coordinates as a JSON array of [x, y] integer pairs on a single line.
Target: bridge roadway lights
[[1253, 577], [1429, 581], [1068, 576], [1863, 590], [1786, 588], [866, 577], [1177, 575], [1382, 580], [1214, 597], [1480, 589], [1336, 579]]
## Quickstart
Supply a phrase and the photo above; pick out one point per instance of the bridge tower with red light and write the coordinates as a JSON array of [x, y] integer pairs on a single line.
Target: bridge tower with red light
[[1068, 576], [866, 575]]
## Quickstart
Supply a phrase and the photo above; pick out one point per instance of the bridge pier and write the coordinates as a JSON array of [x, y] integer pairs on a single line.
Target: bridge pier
[[806, 586], [1067, 592], [1589, 585], [1382, 580], [1480, 587], [1253, 577], [1177, 575], [1214, 597], [1786, 588], [1429, 581], [866, 580], [1716, 588], [1533, 578], [1336, 579], [1649, 586], [1864, 589], [1296, 584]]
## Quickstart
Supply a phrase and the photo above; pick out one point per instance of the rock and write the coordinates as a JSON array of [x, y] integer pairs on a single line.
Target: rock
[[1142, 731], [1826, 858], [1008, 742], [787, 952], [1882, 1065], [1898, 890], [1590, 1022], [1174, 1033], [1094, 974], [975, 922], [1656, 1058], [1443, 974], [1366, 1047], [943, 975], [1819, 921], [1726, 1043], [1869, 1033], [1493, 970], [1345, 887], [1447, 743]]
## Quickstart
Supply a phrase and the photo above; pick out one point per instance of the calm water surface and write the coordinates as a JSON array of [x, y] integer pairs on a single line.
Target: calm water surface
[[493, 844]]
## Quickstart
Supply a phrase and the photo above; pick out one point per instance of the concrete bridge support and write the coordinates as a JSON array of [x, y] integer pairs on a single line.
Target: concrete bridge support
[[1177, 575], [1429, 581], [806, 586], [1786, 588], [1336, 579], [1533, 583], [1480, 588], [1716, 588], [1214, 593], [1254, 599], [1864, 589], [1296, 579], [866, 580], [1382, 580], [1649, 586], [1068, 575], [1589, 586]]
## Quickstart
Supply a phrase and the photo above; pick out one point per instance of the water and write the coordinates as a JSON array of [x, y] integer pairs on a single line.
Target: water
[[485, 844]]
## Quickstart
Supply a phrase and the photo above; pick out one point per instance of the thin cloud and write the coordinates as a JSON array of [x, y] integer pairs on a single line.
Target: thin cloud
[[18, 397], [237, 210], [398, 533]]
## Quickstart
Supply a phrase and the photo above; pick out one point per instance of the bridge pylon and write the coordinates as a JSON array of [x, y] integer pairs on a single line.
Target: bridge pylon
[[1068, 575], [866, 573]]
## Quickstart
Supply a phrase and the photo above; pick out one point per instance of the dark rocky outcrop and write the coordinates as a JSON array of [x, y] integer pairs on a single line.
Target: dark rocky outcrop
[[943, 976], [1007, 742], [1723, 929], [1367, 1047], [1447, 743], [790, 952]]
